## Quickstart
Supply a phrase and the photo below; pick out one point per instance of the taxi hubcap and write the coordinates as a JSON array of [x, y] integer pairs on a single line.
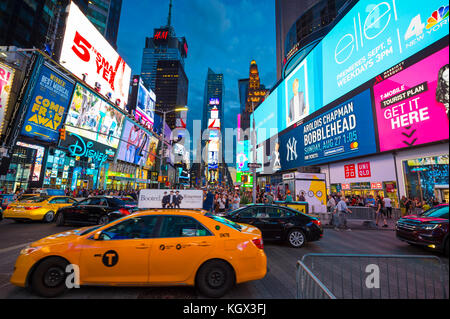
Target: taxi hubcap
[[216, 278], [54, 277], [296, 239]]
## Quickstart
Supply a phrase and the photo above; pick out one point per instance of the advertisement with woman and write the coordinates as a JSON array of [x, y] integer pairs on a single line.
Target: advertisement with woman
[[92, 117], [135, 144], [412, 105]]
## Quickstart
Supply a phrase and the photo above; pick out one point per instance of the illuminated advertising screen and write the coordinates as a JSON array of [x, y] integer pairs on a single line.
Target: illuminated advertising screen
[[93, 118], [78, 146], [342, 132], [242, 156], [50, 100], [412, 105], [245, 178], [37, 168], [151, 159], [375, 36], [134, 145], [214, 124], [214, 101], [145, 108], [213, 160], [6, 81], [266, 118], [87, 54]]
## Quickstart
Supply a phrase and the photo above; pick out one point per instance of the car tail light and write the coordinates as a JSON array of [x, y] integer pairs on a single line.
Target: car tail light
[[32, 207], [9, 207], [258, 243], [124, 212], [317, 222]]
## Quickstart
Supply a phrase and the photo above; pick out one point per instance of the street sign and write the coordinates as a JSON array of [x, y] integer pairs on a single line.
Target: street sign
[[254, 165]]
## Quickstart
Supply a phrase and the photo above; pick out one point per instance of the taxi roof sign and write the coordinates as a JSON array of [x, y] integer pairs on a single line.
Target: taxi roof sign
[[170, 198]]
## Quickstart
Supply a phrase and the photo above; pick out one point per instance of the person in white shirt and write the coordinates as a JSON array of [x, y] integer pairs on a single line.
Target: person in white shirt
[[388, 206], [222, 204]]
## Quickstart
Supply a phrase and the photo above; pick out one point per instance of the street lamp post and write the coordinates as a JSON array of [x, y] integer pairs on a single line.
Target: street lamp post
[[164, 113]]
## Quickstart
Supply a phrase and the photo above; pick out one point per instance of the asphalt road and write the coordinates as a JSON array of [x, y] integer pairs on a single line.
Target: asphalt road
[[279, 283]]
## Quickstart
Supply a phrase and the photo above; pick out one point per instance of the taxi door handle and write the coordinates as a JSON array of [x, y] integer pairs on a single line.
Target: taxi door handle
[[143, 246], [204, 244]]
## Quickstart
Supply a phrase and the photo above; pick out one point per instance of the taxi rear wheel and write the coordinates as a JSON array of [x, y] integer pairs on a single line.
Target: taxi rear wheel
[[215, 278], [49, 217], [49, 278]]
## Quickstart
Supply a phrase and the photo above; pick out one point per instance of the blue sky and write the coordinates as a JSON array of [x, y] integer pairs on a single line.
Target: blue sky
[[224, 35]]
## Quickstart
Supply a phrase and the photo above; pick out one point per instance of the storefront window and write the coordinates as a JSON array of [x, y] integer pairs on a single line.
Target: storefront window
[[427, 178]]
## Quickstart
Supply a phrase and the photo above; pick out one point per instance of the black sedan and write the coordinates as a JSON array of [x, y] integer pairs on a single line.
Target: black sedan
[[94, 211], [280, 223]]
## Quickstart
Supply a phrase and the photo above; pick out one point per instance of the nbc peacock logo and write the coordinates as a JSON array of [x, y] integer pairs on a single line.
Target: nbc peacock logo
[[437, 16]]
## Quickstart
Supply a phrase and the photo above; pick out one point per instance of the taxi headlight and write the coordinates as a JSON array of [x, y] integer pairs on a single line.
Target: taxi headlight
[[28, 250]]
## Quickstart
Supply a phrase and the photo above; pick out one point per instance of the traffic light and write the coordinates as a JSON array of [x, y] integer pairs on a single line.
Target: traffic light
[[62, 134]]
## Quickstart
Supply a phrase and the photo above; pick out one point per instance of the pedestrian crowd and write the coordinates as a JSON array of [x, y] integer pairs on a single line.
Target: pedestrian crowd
[[338, 206], [221, 200]]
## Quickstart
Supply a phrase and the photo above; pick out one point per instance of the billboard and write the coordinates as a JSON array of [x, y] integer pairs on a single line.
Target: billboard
[[145, 105], [87, 54], [170, 198], [375, 36], [93, 118], [266, 118], [412, 105], [151, 158], [345, 131], [50, 100], [134, 145], [242, 156], [6, 81], [79, 146]]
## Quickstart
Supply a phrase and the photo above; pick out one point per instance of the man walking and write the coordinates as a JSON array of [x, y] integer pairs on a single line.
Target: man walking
[[342, 210]]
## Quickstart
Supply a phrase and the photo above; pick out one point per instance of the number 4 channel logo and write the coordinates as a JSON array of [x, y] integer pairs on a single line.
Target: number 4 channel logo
[[434, 22]]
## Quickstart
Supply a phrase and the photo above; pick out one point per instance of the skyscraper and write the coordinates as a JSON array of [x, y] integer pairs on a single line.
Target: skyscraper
[[212, 123], [33, 24], [171, 89], [105, 15], [303, 22], [164, 45]]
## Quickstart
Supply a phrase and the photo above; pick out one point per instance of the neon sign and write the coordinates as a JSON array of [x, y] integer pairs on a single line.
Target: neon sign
[[83, 149]]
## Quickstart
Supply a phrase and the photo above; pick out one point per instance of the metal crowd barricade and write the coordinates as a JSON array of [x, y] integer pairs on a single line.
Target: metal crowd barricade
[[352, 276], [361, 213]]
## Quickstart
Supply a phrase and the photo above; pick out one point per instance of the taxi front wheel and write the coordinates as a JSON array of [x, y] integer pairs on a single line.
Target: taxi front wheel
[[214, 279], [49, 278]]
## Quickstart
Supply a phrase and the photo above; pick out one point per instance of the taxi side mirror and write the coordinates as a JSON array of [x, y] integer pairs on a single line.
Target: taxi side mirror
[[98, 236]]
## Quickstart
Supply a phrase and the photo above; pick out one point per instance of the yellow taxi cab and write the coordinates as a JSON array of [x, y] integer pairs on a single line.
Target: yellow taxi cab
[[37, 208], [167, 247]]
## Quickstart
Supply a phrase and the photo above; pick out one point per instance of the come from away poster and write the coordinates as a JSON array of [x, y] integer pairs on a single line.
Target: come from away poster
[[50, 99]]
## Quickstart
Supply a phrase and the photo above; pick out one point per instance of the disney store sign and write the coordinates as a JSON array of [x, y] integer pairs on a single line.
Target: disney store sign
[[81, 148]]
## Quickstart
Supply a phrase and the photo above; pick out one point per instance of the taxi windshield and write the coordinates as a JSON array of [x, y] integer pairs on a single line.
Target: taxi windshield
[[89, 230], [224, 221]]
